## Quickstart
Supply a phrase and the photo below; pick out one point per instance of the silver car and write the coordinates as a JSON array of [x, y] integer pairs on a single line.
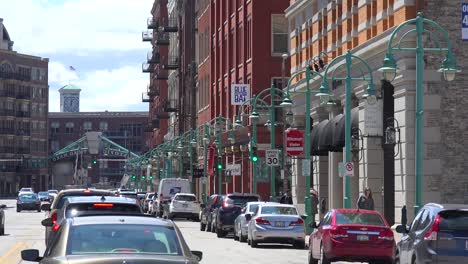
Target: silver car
[[241, 224], [276, 223]]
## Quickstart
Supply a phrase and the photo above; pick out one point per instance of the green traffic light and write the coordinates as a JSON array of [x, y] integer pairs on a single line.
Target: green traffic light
[[143, 177], [220, 166], [94, 161], [133, 177], [151, 177], [254, 158]]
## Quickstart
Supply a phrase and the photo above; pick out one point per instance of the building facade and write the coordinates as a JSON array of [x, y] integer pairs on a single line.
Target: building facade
[[24, 102], [69, 98], [327, 29], [239, 42], [123, 128]]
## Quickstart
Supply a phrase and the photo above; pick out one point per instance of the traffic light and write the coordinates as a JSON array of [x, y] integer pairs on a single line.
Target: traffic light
[[143, 177], [254, 154], [219, 164], [133, 177], [94, 161], [151, 177]]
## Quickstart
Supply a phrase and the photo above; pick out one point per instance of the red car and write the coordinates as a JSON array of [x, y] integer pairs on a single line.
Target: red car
[[352, 235]]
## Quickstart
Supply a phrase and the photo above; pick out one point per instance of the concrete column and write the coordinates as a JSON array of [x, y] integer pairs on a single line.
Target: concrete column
[[335, 187], [297, 183], [321, 181]]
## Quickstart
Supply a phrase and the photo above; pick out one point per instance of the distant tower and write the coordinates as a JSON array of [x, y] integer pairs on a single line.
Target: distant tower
[[70, 98]]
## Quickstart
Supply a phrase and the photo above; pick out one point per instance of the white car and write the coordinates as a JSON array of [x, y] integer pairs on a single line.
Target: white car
[[25, 190], [184, 205]]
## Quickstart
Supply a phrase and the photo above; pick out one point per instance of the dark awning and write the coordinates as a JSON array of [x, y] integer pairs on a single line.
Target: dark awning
[[338, 139], [325, 138], [316, 132]]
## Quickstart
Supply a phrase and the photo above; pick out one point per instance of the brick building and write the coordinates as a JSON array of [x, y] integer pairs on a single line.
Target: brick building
[[327, 29], [24, 102], [239, 42]]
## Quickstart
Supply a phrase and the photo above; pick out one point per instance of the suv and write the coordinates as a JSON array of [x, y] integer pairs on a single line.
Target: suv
[[438, 234], [207, 211], [230, 208], [59, 201], [184, 205]]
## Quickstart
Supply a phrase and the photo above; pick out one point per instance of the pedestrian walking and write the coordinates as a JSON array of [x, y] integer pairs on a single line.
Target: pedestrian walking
[[365, 200], [314, 202], [287, 198]]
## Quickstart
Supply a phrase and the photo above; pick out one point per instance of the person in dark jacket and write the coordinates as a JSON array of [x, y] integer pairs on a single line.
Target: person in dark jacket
[[366, 201], [287, 198]]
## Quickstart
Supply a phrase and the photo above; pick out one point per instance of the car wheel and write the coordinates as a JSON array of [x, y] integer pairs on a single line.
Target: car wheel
[[213, 228], [2, 231], [311, 258], [220, 233], [299, 244], [202, 226], [242, 238], [323, 258], [253, 243], [208, 227], [39, 210], [18, 209], [236, 234]]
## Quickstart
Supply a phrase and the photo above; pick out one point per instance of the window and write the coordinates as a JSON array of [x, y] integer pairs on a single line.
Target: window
[[54, 145], [103, 126], [54, 127], [69, 127], [87, 126], [249, 38], [279, 38], [238, 47]]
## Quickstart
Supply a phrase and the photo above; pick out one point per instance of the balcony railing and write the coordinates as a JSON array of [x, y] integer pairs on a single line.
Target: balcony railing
[[145, 97], [161, 75], [4, 93], [7, 131], [23, 114], [170, 25], [7, 112], [14, 76], [173, 63], [162, 39], [170, 106], [146, 67], [153, 57], [152, 23], [23, 96], [147, 35]]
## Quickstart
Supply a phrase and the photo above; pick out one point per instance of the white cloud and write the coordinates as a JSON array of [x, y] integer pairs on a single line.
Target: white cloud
[[114, 90], [76, 26], [58, 73]]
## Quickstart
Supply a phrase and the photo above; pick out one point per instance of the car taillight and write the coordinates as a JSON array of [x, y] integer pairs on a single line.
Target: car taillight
[[261, 221], [386, 235], [103, 205], [87, 191], [54, 218], [55, 227], [337, 232], [298, 222], [432, 234]]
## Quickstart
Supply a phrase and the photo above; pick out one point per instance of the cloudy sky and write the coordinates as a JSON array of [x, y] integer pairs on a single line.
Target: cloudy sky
[[101, 39]]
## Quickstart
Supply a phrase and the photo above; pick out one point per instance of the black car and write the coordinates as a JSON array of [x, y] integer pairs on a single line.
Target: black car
[[208, 208], [438, 234], [230, 208], [116, 239], [2, 220], [28, 201]]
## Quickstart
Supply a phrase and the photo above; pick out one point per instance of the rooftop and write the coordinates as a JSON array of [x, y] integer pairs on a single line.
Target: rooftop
[[97, 114], [70, 87]]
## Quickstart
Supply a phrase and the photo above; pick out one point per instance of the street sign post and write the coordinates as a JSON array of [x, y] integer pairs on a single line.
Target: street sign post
[[306, 167], [464, 21], [294, 142], [272, 157], [234, 169], [349, 169]]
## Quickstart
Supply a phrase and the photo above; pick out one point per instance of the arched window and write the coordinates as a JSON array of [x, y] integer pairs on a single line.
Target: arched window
[[6, 67]]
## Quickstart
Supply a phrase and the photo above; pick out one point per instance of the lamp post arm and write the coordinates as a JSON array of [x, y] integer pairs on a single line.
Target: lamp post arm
[[288, 88]]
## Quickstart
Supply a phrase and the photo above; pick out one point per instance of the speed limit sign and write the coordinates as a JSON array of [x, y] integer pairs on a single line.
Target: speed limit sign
[[272, 157]]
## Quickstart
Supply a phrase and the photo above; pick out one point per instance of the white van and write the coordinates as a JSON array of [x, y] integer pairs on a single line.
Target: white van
[[168, 188]]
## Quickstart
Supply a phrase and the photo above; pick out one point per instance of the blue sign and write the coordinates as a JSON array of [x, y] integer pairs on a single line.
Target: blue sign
[[240, 93], [464, 21]]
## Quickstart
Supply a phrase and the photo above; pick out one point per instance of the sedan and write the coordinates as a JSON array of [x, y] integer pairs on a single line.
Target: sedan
[[116, 239], [276, 223], [2, 220], [43, 196], [28, 201], [241, 224], [351, 235]]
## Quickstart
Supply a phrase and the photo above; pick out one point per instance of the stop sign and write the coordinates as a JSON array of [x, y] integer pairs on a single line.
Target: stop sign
[[294, 142]]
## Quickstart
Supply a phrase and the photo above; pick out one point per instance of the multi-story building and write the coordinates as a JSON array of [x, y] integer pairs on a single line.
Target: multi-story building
[[24, 94], [239, 42], [327, 29]]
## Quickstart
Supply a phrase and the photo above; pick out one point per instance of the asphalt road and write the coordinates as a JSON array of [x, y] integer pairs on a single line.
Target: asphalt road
[[23, 230]]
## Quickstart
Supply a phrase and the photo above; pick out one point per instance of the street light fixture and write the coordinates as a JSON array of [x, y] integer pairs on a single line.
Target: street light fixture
[[324, 92], [289, 117], [254, 117], [449, 68], [389, 67]]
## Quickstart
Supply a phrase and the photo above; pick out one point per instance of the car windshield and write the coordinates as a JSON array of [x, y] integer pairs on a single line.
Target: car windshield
[[122, 238], [453, 220], [240, 200], [73, 210], [358, 219], [52, 191], [253, 207], [188, 198], [28, 196], [64, 197], [43, 194], [279, 210], [26, 190], [129, 195]]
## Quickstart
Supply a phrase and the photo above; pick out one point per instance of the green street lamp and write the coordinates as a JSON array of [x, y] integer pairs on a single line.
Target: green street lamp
[[448, 68]]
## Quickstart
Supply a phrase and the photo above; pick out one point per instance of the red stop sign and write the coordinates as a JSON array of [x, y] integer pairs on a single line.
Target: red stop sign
[[294, 142]]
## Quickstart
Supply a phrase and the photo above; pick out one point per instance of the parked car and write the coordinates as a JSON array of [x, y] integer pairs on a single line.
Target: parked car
[[52, 195], [228, 211], [43, 196], [207, 209], [169, 187], [2, 219], [146, 200], [184, 205], [438, 234], [59, 201], [352, 235], [25, 190], [276, 223], [241, 224], [111, 239], [28, 201]]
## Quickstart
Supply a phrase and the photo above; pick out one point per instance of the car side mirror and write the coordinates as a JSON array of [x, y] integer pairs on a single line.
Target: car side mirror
[[303, 217], [198, 255], [45, 207], [248, 217], [47, 222], [401, 229], [3, 206], [404, 217], [30, 255]]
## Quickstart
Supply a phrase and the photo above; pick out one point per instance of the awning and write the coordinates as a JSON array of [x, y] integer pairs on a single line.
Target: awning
[[338, 138], [317, 131]]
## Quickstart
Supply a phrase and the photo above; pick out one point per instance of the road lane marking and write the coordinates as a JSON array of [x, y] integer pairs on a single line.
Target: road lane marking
[[7, 257]]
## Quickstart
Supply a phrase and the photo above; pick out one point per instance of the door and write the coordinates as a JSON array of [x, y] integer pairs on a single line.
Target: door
[[317, 235], [407, 241]]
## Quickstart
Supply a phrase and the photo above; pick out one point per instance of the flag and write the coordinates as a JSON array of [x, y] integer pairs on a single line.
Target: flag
[[72, 68]]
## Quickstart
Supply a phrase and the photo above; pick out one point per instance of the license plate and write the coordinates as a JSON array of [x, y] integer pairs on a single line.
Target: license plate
[[279, 224], [362, 238], [466, 245]]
